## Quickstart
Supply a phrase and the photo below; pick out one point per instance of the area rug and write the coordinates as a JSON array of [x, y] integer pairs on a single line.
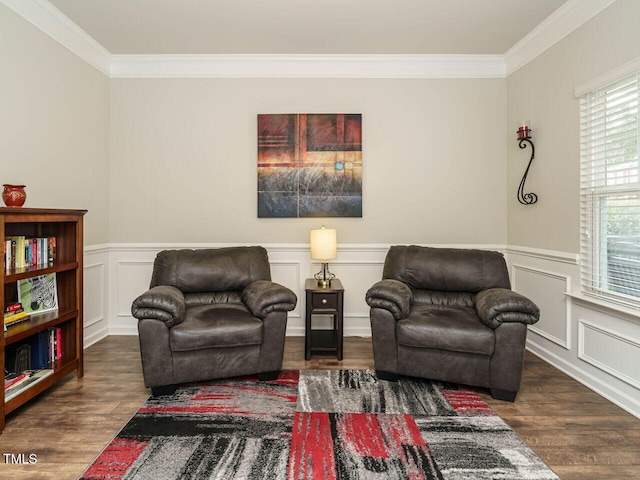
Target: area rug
[[318, 424]]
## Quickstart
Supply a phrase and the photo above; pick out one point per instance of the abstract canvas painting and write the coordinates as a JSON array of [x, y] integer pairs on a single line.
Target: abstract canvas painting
[[309, 165]]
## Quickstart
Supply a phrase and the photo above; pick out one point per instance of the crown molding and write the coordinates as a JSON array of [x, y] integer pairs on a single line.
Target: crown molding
[[570, 16], [58, 26], [558, 25], [307, 66]]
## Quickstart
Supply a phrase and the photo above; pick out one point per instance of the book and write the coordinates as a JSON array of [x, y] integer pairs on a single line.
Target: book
[[58, 343], [21, 251], [38, 294], [13, 380], [40, 356], [16, 317], [55, 343], [52, 249], [34, 377], [9, 254], [17, 243], [13, 307], [14, 313], [17, 358], [52, 345]]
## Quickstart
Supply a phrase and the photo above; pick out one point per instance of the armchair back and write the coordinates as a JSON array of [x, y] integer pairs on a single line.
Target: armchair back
[[446, 269], [211, 270]]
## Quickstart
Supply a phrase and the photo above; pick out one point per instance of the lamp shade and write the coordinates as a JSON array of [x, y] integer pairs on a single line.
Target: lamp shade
[[324, 243]]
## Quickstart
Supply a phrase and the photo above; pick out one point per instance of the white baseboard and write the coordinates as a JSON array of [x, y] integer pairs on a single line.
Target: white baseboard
[[95, 337]]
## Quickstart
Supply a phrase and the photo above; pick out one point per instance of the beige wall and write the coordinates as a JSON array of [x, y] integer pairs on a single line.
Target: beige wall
[[542, 91], [54, 124], [183, 163]]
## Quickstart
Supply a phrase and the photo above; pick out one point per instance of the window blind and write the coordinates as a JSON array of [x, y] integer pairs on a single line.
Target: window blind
[[610, 191]]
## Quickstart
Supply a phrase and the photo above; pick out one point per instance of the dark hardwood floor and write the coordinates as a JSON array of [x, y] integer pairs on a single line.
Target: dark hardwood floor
[[577, 432]]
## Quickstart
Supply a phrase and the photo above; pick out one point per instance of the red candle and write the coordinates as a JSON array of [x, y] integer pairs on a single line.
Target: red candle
[[523, 129]]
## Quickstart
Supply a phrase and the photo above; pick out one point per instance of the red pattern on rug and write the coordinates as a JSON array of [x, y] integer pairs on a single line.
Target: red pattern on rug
[[355, 445], [466, 402], [115, 460], [310, 455]]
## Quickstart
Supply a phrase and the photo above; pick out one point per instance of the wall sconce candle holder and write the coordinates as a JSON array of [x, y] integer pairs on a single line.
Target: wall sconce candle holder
[[524, 138]]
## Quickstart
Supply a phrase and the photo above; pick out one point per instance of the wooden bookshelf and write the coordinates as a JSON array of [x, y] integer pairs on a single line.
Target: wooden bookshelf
[[67, 227]]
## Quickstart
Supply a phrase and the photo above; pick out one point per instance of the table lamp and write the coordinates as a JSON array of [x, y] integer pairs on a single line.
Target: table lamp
[[324, 246]]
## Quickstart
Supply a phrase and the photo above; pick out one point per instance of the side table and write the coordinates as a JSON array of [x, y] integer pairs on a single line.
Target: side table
[[324, 301]]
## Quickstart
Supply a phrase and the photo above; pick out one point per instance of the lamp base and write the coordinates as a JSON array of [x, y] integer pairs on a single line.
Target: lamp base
[[324, 276]]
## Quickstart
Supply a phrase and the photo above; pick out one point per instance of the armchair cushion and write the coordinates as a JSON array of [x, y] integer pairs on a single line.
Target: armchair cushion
[[446, 269], [498, 305], [391, 295], [263, 297], [211, 270], [164, 302], [453, 299], [217, 325], [202, 298], [444, 327]]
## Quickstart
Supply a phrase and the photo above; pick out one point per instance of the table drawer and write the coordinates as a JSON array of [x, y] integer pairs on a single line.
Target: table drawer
[[324, 300]]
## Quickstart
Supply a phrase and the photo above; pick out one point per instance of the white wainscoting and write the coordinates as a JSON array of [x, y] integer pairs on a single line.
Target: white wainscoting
[[547, 289], [596, 344], [96, 274]]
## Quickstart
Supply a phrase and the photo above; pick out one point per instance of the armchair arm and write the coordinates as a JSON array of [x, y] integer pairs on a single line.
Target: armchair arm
[[263, 297], [496, 306], [391, 295], [164, 302]]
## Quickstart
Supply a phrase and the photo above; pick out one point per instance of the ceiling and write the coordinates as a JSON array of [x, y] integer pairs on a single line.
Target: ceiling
[[307, 26]]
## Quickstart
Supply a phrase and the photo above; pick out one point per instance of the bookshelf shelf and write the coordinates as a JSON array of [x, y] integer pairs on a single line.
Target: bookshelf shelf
[[37, 323], [34, 390], [67, 228], [14, 275]]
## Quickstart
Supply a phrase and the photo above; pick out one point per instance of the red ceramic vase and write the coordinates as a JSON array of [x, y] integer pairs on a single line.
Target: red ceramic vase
[[14, 195]]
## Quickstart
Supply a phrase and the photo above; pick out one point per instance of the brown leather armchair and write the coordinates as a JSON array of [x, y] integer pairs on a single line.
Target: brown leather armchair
[[449, 314], [209, 314]]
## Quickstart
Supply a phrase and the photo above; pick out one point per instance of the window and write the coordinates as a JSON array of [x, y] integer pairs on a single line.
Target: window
[[610, 191]]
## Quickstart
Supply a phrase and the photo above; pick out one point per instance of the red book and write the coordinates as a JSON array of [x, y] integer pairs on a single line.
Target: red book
[[8, 383], [36, 256], [58, 343], [52, 249], [14, 307]]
